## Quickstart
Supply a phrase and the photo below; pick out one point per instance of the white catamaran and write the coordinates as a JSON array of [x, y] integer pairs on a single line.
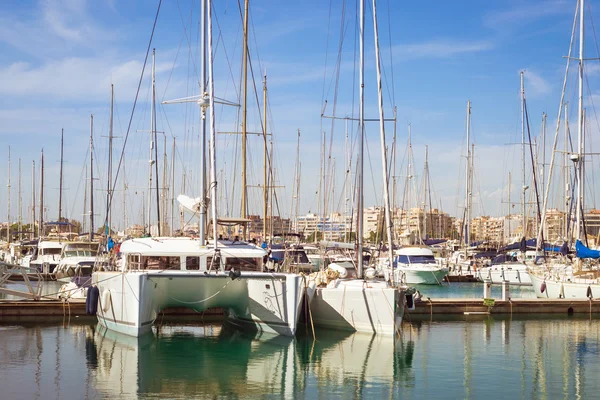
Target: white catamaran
[[160, 272]]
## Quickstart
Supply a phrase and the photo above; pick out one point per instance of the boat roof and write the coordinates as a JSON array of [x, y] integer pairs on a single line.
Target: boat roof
[[50, 244], [176, 246], [415, 251]]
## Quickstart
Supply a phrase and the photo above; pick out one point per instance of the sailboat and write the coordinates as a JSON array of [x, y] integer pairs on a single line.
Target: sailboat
[[581, 278], [363, 304], [160, 272]]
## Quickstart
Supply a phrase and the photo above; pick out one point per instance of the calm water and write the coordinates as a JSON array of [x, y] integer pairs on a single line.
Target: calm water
[[485, 358]]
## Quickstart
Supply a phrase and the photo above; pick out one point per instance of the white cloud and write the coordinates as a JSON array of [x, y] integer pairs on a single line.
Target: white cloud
[[523, 12], [440, 48], [536, 85]]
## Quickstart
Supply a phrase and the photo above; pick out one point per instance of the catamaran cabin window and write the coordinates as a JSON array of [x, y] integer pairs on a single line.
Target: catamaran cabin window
[[243, 264], [192, 263], [416, 259]]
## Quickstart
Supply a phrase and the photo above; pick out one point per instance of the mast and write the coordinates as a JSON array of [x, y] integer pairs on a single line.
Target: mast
[[173, 187], [386, 189], [151, 161], [203, 195], [244, 114], [543, 144], [91, 177], [8, 203], [109, 180], [509, 207], [566, 173], [213, 161], [467, 222], [85, 193], [155, 141], [580, 139], [41, 214], [425, 186], [164, 191], [265, 189], [20, 204], [523, 187], [32, 235], [60, 185], [361, 127]]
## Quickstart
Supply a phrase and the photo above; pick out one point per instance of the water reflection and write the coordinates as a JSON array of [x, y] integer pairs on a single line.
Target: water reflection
[[184, 362], [483, 358]]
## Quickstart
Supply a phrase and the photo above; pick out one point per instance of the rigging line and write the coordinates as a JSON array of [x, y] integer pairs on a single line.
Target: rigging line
[[590, 141], [535, 182], [391, 53], [135, 101], [179, 48], [220, 38], [326, 53]]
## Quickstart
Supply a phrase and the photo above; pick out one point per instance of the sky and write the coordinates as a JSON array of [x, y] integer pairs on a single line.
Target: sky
[[59, 59]]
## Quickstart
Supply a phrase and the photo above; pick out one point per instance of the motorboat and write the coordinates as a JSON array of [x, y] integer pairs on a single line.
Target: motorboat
[[417, 265]]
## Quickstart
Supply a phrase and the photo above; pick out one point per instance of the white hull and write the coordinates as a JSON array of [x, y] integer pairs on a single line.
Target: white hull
[[421, 276], [558, 288], [130, 302], [515, 274], [357, 305]]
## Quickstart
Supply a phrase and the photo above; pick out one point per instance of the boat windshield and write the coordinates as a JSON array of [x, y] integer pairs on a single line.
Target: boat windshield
[[416, 259], [49, 251]]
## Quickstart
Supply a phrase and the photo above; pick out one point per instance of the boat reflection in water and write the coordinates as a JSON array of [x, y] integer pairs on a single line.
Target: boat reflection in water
[[186, 361]]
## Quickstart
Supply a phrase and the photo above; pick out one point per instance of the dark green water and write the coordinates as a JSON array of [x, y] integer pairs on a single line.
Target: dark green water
[[479, 359]]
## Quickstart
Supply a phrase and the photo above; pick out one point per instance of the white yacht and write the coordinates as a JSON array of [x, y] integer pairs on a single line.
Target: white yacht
[[46, 255], [158, 273], [417, 265], [77, 259]]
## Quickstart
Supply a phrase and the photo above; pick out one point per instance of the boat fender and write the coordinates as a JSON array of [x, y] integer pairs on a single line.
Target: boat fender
[[91, 300], [543, 287], [233, 274], [370, 273], [343, 272], [589, 293], [106, 300]]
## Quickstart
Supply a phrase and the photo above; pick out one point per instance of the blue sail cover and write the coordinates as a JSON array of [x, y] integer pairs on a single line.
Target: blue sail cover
[[584, 252]]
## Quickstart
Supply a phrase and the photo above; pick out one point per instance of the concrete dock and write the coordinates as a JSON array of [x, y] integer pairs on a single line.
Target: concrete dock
[[443, 307]]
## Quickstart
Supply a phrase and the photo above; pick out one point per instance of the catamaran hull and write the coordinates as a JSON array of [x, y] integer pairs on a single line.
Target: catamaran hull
[[556, 289], [361, 306], [130, 302], [515, 275]]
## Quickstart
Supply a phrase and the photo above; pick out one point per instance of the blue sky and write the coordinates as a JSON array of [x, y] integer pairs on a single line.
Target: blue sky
[[58, 59]]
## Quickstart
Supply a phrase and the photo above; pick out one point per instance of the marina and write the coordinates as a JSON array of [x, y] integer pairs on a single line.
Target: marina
[[358, 200]]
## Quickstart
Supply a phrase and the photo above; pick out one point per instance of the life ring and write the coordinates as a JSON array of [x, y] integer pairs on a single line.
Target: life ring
[[106, 299]]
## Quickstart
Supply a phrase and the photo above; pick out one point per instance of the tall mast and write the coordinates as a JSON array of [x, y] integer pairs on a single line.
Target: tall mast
[[203, 195], [109, 180], [509, 207], [425, 185], [164, 191], [580, 133], [543, 145], [20, 204], [32, 235], [173, 187], [213, 136], [60, 185], [85, 194], [266, 183], [386, 195], [8, 203], [361, 127], [523, 187], [567, 175], [244, 113], [154, 138], [41, 213], [151, 161], [467, 223], [91, 177]]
